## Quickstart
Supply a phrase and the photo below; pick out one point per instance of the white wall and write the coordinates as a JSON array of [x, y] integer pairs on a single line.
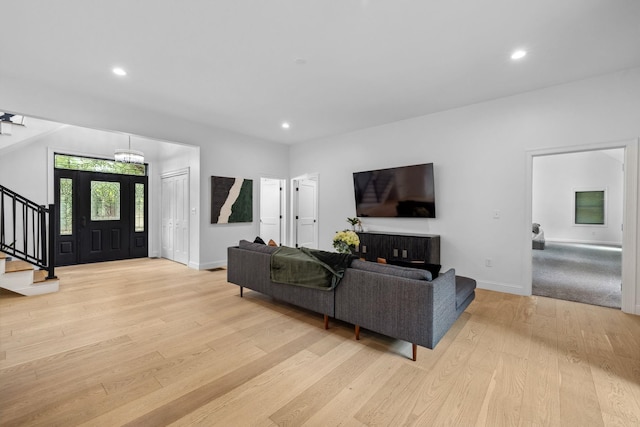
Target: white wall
[[222, 153], [24, 168], [479, 155], [245, 158], [557, 177], [27, 166], [172, 158]]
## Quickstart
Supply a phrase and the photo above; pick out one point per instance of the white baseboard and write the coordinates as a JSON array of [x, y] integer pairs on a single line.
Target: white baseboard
[[585, 242], [502, 287], [208, 265]]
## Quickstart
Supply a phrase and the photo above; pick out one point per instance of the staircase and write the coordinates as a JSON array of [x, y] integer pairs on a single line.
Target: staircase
[[27, 264], [21, 277]]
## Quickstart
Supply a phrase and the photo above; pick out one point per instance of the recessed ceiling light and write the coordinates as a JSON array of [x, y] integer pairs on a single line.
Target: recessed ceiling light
[[119, 71], [519, 54], [286, 125]]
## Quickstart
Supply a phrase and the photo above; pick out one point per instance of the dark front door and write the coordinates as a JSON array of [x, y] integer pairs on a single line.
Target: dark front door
[[105, 222], [102, 216]]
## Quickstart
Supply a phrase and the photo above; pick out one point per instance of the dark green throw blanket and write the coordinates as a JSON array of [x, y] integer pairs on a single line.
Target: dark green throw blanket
[[309, 267]]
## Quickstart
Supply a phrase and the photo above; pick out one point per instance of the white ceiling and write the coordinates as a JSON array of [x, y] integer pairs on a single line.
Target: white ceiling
[[232, 63], [32, 128]]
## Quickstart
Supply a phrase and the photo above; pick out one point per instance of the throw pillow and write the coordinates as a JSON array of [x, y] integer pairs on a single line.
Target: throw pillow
[[434, 269], [256, 247], [272, 243], [259, 240], [391, 270]]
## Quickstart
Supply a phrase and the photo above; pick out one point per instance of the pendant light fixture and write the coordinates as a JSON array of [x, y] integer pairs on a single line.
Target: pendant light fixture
[[127, 155]]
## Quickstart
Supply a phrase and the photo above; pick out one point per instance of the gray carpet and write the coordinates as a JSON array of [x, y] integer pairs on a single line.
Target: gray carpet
[[582, 273]]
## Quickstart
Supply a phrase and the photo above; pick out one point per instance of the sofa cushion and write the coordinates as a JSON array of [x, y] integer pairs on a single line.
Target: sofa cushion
[[391, 270], [434, 269], [257, 247], [464, 288]]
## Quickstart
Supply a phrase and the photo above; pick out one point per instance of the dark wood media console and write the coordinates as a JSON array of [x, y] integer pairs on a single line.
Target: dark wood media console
[[399, 247]]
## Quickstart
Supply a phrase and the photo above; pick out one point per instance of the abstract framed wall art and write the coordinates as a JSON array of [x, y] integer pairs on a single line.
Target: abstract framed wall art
[[231, 200]]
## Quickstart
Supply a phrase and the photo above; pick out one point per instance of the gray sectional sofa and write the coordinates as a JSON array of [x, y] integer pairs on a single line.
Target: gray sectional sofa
[[403, 303]]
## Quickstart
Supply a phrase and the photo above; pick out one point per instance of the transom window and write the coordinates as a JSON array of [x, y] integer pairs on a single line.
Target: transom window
[[64, 161]]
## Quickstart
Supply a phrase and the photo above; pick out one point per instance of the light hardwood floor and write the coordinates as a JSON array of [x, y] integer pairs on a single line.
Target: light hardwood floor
[[149, 342]]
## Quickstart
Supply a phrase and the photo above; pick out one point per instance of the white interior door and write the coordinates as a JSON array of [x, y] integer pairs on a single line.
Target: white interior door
[[168, 232], [181, 224], [271, 210], [175, 217], [306, 213]]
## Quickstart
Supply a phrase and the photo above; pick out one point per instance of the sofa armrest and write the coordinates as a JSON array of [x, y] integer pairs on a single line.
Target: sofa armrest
[[417, 311], [249, 269], [444, 312]]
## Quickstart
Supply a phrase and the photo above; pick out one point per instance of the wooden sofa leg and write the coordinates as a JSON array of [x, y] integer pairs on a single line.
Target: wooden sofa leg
[[357, 332], [415, 351], [326, 321]]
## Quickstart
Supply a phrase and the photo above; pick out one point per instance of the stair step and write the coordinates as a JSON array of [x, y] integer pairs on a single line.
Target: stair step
[[13, 266], [20, 277], [39, 276]]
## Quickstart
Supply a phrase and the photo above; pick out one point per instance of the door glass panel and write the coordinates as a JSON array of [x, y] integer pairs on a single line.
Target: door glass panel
[[66, 206], [105, 201], [139, 204]]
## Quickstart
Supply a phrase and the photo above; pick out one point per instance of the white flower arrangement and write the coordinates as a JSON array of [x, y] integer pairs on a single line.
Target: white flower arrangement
[[345, 241]]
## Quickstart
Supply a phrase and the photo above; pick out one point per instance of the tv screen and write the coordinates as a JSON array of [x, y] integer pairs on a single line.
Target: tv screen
[[406, 191]]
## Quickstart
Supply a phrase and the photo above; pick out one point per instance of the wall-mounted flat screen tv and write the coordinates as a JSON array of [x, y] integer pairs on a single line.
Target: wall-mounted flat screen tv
[[406, 191]]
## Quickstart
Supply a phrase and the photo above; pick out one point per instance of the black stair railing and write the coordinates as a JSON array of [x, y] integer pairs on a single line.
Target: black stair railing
[[27, 230]]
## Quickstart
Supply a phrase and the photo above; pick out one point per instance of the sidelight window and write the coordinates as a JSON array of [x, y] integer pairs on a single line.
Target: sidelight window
[[66, 206], [139, 207]]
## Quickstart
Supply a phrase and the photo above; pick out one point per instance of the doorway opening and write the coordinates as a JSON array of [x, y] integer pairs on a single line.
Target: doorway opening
[[577, 212], [101, 210], [580, 212]]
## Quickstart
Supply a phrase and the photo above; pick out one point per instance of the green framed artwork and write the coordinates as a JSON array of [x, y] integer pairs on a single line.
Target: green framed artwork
[[231, 200]]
